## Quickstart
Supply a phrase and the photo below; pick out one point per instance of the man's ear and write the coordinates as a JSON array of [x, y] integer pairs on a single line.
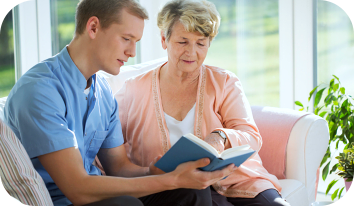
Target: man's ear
[[163, 40], [92, 26]]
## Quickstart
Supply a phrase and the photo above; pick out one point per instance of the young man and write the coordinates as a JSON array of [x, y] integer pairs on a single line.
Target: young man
[[64, 114]]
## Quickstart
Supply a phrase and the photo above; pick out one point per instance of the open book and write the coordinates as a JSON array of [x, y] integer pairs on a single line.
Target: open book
[[191, 148]]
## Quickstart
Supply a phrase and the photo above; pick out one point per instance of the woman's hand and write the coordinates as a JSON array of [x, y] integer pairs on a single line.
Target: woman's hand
[[154, 170], [215, 140]]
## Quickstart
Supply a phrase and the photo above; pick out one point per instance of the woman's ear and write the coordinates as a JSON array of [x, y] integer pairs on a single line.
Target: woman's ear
[[163, 40], [92, 26]]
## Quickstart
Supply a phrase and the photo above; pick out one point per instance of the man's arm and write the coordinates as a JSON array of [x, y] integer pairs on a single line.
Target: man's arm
[[66, 169], [116, 163]]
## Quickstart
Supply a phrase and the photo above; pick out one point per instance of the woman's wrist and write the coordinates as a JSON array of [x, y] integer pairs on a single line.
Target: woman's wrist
[[222, 135]]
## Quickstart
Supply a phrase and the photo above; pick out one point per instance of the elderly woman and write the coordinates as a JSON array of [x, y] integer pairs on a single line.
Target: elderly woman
[[185, 96]]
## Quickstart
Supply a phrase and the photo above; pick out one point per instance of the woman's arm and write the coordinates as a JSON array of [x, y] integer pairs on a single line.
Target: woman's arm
[[236, 117]]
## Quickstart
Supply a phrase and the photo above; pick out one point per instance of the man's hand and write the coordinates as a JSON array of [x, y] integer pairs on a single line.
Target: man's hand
[[216, 141], [187, 175], [154, 170]]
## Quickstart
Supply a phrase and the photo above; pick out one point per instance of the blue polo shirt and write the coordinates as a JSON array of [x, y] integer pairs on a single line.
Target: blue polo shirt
[[48, 111]]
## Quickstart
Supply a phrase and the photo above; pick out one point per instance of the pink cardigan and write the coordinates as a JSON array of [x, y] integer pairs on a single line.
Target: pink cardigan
[[221, 104]]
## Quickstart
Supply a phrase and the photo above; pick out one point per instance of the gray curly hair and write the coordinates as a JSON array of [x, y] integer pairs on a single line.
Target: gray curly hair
[[195, 15]]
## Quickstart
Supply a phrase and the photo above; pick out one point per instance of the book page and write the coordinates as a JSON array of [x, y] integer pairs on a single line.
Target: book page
[[235, 151], [203, 144]]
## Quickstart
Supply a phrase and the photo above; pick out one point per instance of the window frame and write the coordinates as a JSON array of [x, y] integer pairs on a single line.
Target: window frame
[[32, 34], [298, 60]]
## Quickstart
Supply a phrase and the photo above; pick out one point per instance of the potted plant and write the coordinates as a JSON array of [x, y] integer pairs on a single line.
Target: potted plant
[[337, 108], [345, 169]]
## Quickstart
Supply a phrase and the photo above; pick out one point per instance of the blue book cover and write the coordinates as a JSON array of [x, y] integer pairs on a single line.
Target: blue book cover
[[186, 150]]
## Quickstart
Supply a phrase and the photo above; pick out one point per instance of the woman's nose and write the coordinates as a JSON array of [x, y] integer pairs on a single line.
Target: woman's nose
[[190, 50]]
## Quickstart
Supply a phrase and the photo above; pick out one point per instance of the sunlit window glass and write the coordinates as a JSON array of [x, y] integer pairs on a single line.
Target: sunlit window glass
[[63, 24], [335, 40], [248, 45], [7, 63]]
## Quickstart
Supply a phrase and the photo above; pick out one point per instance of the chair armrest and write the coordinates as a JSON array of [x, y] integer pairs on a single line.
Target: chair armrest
[[308, 142]]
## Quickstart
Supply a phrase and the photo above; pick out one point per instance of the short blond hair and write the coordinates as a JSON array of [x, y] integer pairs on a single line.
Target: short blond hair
[[107, 11], [195, 15]]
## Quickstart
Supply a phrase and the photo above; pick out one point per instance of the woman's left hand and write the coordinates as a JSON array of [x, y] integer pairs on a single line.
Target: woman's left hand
[[153, 170], [215, 140]]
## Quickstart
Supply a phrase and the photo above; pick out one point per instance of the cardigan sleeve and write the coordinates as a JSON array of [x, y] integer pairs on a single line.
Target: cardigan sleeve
[[236, 115]]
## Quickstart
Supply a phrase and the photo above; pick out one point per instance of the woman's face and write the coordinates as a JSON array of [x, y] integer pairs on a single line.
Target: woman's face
[[186, 50]]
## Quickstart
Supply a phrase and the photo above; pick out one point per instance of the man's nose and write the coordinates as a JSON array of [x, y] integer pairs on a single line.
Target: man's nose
[[131, 51]]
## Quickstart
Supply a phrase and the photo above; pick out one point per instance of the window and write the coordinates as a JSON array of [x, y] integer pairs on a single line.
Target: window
[[63, 25], [248, 45], [7, 62], [335, 45]]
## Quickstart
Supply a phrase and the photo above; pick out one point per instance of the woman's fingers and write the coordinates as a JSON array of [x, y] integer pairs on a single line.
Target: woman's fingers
[[153, 170], [219, 174]]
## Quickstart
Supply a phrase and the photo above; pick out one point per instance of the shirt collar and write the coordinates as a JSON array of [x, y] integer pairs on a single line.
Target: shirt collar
[[69, 66]]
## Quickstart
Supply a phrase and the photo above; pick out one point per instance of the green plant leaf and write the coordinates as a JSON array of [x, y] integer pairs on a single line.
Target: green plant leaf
[[298, 103], [350, 172], [334, 168], [328, 99], [342, 90], [330, 185], [323, 114], [337, 144], [340, 193], [336, 77], [325, 158], [317, 110], [334, 195], [311, 93], [318, 97], [325, 172], [335, 87]]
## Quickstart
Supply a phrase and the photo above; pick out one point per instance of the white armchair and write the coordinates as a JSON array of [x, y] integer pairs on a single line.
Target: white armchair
[[305, 146]]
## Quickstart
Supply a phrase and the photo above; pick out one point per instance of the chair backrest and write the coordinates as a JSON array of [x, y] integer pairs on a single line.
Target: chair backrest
[[275, 125], [17, 173], [126, 72]]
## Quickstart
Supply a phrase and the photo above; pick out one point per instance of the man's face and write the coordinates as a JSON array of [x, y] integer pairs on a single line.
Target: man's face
[[115, 44]]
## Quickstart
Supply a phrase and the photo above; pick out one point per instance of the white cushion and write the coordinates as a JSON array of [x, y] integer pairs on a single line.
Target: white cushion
[[294, 192], [2, 105]]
